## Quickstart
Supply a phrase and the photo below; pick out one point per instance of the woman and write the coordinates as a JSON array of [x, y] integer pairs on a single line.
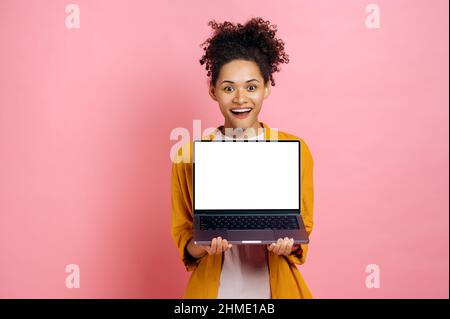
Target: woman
[[241, 60]]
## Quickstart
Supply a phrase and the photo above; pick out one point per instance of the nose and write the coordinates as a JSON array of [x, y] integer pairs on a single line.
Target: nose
[[239, 97]]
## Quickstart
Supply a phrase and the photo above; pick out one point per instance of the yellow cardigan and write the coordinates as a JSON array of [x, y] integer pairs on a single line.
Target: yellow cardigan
[[285, 279]]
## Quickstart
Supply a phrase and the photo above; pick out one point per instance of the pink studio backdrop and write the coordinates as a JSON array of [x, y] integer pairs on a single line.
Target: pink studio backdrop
[[86, 115]]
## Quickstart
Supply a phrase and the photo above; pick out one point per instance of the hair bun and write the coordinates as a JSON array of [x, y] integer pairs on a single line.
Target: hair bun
[[254, 41]]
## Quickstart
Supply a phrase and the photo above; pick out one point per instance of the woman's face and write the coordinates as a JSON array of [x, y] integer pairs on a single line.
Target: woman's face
[[240, 87]]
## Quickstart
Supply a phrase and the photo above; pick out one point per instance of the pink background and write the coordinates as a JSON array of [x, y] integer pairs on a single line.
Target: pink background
[[86, 115]]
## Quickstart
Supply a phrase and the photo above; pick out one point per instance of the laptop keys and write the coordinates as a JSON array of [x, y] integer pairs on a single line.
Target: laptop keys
[[248, 222]]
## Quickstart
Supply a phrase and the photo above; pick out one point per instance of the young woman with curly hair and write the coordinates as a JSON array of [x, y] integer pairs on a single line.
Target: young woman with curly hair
[[240, 60]]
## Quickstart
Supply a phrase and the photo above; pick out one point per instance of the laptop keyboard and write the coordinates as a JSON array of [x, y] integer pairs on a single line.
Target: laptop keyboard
[[248, 222]]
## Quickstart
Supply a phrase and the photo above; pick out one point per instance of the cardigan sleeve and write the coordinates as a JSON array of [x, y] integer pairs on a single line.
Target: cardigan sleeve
[[307, 195], [181, 219]]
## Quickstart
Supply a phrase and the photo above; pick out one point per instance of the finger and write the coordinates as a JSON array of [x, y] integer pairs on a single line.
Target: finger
[[206, 248], [219, 245], [226, 245], [287, 248], [278, 246], [213, 246], [283, 246], [271, 246], [276, 249]]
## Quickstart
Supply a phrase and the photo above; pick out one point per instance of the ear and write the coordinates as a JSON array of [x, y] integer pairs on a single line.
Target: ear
[[267, 89], [212, 92]]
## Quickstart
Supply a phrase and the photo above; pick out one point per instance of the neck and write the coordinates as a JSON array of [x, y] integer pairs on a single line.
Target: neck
[[237, 132]]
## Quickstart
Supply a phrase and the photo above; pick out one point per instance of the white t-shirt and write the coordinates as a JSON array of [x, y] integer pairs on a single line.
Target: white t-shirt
[[245, 272]]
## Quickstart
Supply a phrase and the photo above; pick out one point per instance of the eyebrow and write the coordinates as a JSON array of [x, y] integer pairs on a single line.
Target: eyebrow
[[245, 81]]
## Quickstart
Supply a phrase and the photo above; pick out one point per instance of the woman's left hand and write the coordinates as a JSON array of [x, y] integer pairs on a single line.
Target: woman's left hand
[[282, 246]]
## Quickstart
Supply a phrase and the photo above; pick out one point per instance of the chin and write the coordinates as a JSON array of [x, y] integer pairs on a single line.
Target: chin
[[244, 124]]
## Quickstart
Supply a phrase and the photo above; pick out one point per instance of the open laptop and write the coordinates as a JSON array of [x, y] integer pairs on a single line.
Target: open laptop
[[247, 191]]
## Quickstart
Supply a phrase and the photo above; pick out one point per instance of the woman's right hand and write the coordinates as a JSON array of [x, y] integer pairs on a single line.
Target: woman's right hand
[[218, 245]]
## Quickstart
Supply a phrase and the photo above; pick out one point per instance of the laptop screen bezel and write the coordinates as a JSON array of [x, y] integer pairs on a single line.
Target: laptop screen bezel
[[247, 211]]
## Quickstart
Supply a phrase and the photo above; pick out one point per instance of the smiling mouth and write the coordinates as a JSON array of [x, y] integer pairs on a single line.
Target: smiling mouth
[[241, 111]]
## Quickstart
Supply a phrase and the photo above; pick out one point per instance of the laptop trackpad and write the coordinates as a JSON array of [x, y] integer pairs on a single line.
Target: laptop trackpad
[[239, 235]]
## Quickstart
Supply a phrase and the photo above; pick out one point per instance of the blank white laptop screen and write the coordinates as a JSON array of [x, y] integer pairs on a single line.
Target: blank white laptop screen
[[246, 175]]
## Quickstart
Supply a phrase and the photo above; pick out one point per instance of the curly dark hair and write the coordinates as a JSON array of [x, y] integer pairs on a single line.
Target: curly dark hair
[[255, 41]]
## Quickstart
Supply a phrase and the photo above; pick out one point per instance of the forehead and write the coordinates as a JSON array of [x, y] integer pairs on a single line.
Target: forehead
[[239, 71]]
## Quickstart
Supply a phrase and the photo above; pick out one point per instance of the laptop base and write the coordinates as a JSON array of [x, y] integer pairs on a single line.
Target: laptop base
[[250, 236]]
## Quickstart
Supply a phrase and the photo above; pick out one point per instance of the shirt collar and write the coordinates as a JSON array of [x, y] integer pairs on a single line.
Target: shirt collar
[[267, 132]]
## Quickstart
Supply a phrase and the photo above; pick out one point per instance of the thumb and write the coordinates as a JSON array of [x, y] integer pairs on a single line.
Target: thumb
[[206, 248]]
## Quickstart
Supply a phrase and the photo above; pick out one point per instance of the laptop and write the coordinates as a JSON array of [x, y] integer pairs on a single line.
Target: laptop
[[247, 191]]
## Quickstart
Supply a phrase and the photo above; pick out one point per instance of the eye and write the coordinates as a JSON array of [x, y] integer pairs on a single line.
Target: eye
[[250, 87]]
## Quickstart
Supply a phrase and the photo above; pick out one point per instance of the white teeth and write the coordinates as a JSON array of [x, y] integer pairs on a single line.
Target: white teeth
[[241, 110]]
